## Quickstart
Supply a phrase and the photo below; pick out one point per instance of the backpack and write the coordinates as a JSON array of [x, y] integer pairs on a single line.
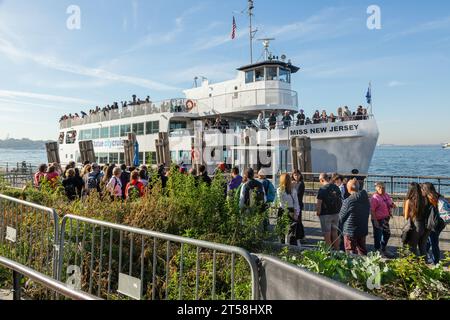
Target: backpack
[[254, 193], [93, 182], [270, 191], [70, 190], [133, 191], [333, 199], [444, 210]]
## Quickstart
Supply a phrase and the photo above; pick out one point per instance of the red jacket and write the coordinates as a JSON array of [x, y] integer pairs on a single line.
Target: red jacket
[[139, 185]]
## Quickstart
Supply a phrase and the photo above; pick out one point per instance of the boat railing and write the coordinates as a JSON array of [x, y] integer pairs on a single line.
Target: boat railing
[[237, 100], [166, 106]]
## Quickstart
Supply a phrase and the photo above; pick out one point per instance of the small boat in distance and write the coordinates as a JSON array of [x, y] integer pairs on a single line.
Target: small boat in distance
[[446, 146]]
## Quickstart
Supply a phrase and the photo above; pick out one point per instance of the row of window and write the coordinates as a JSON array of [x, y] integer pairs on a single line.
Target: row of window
[[268, 74], [139, 129], [148, 158]]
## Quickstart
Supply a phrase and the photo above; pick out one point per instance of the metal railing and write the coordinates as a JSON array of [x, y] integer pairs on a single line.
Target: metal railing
[[16, 180], [17, 167], [177, 105], [29, 234], [139, 263], [49, 283]]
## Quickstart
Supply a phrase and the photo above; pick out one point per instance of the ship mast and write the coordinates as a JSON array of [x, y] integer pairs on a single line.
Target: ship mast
[[252, 32]]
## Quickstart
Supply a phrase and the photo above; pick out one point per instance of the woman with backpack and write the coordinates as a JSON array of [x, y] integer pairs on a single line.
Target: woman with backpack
[[288, 204], [135, 188], [434, 199], [416, 234], [114, 186], [299, 185]]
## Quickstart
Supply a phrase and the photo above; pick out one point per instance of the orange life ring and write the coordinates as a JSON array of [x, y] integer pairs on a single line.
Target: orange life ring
[[190, 105]]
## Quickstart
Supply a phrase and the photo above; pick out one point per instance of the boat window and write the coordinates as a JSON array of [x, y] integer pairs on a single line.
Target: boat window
[[272, 73], [138, 129], [177, 125], [61, 138], [250, 76], [95, 134], [104, 133], [121, 157], [150, 158], [152, 127], [71, 137], [125, 129], [141, 158], [114, 158], [285, 75], [259, 74], [103, 158], [115, 132], [86, 135]]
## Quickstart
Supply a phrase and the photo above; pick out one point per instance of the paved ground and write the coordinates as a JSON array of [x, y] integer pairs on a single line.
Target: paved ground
[[5, 295]]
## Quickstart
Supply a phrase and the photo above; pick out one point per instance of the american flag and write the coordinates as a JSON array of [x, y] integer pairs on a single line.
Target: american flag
[[233, 32]]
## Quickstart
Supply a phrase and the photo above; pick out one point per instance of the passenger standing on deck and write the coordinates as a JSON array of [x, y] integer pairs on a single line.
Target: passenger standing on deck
[[329, 203], [324, 117], [354, 217], [414, 210], [40, 175], [288, 205], [316, 117], [435, 200], [340, 114], [381, 206], [347, 114], [301, 117], [287, 120], [299, 185], [261, 121], [272, 121]]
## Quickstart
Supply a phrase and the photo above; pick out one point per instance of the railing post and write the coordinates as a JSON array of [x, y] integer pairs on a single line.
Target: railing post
[[392, 185], [17, 294]]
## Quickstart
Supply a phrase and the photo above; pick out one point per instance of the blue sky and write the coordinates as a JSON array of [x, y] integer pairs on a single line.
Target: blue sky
[[157, 47]]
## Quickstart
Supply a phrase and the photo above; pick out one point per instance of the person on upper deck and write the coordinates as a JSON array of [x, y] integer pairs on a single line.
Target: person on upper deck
[[287, 120], [324, 117], [301, 117], [332, 118], [316, 117], [272, 121], [359, 113], [308, 122], [347, 113]]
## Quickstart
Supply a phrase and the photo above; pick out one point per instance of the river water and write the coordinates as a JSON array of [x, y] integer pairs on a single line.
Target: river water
[[388, 160]]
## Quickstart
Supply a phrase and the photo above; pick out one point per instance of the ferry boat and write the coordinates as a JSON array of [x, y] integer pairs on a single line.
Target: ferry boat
[[244, 137], [446, 146]]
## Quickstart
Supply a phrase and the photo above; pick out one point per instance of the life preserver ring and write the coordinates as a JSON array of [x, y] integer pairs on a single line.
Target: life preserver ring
[[190, 105]]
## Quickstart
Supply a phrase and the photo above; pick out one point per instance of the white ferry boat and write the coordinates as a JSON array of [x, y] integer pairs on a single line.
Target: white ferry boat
[[263, 87], [446, 146]]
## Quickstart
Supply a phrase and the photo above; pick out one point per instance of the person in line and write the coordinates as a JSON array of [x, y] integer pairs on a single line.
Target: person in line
[[114, 186], [162, 175], [52, 176], [301, 118], [203, 175], [287, 199], [299, 186], [71, 165], [381, 206], [108, 175], [435, 200], [252, 191], [143, 177], [236, 180], [414, 210], [268, 186], [354, 217], [338, 180], [329, 203], [135, 189], [93, 180], [146, 174], [71, 185], [40, 175], [124, 178]]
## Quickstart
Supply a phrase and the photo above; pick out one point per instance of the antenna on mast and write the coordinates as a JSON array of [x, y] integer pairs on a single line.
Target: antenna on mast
[[251, 6], [266, 44]]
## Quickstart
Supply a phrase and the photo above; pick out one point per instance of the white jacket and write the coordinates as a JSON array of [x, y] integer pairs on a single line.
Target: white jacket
[[288, 200]]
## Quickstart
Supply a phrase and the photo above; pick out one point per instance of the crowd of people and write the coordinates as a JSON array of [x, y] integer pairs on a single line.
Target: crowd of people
[[343, 206], [106, 109], [287, 119]]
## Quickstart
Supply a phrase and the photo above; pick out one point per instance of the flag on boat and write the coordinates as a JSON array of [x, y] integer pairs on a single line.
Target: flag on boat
[[233, 32], [369, 95], [136, 161]]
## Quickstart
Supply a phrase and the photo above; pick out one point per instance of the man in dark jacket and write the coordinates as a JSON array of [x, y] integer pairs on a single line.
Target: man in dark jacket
[[354, 218], [204, 177]]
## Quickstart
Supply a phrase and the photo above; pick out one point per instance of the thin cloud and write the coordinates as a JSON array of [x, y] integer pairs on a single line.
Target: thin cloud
[[13, 52], [395, 83], [439, 24], [8, 94]]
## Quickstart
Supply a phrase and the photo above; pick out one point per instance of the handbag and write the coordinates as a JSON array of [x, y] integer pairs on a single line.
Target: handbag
[[408, 229]]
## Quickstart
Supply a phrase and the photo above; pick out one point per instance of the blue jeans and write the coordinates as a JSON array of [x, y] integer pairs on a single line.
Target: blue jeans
[[382, 234], [433, 243]]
